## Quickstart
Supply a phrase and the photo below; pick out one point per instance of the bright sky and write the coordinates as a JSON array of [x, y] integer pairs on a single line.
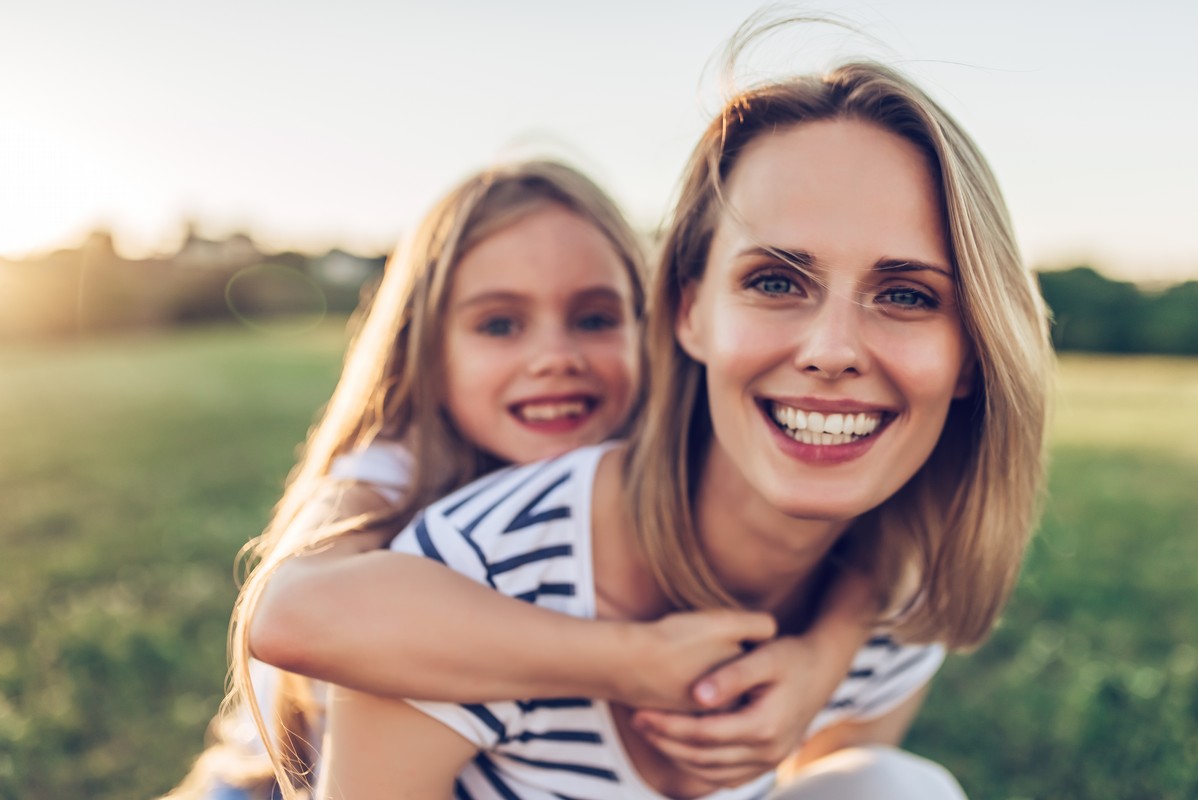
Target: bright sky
[[312, 124]]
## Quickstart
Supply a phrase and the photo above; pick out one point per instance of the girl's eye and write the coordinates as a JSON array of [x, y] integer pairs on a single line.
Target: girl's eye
[[906, 298], [773, 284], [597, 322], [498, 326]]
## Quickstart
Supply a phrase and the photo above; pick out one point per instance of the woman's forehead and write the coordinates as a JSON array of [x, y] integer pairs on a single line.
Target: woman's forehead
[[835, 189]]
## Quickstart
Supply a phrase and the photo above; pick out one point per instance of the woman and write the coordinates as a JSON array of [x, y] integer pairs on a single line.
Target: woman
[[849, 370]]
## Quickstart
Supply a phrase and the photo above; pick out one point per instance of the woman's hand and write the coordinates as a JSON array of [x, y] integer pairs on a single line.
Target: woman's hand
[[660, 661], [762, 705]]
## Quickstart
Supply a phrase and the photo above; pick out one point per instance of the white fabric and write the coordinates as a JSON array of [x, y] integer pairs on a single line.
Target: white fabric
[[871, 773], [385, 465]]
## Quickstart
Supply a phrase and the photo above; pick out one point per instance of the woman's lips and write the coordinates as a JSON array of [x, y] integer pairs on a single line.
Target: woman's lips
[[825, 436]]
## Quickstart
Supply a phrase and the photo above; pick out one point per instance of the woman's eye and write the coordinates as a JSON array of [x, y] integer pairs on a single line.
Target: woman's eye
[[498, 326], [906, 298], [773, 284], [597, 322]]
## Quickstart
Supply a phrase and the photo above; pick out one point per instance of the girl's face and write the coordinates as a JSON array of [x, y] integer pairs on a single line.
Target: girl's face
[[541, 351], [829, 382]]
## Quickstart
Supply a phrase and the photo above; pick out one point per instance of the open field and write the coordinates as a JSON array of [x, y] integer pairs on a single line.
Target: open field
[[1089, 689], [132, 470]]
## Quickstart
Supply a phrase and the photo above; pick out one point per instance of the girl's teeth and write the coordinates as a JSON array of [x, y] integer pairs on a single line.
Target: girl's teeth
[[545, 412]]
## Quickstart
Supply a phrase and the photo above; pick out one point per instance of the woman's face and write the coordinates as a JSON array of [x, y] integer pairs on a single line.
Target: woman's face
[[541, 354], [829, 382]]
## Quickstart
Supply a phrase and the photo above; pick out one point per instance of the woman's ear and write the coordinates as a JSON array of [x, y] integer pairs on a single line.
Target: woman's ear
[[686, 331]]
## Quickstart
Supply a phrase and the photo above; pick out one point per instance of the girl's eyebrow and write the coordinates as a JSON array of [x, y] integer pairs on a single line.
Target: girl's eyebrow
[[597, 293], [513, 298], [496, 296]]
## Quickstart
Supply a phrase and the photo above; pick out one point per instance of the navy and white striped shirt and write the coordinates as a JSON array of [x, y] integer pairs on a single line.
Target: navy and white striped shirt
[[526, 532]]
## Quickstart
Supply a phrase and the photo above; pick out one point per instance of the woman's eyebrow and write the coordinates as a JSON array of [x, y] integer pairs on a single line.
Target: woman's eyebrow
[[911, 265], [804, 260], [800, 259]]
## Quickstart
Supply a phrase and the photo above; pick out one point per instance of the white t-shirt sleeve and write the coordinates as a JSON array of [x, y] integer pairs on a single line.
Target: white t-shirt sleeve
[[903, 672], [385, 465], [433, 536], [884, 674], [517, 531], [243, 732]]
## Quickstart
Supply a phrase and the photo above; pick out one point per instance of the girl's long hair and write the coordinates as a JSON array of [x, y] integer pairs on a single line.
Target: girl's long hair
[[390, 388], [945, 551]]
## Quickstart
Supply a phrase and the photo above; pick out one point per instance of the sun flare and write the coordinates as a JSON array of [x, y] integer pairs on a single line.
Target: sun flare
[[51, 193]]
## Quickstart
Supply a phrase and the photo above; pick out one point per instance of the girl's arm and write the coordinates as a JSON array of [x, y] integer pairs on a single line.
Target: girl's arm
[[343, 614], [776, 691]]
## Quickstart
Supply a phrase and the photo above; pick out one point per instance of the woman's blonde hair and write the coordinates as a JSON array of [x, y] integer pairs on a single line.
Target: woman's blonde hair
[[391, 387], [957, 530]]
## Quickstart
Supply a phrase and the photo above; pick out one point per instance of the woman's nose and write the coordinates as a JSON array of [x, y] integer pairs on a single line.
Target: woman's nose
[[830, 343]]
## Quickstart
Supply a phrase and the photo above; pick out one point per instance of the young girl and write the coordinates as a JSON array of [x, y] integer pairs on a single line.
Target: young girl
[[508, 333], [850, 369]]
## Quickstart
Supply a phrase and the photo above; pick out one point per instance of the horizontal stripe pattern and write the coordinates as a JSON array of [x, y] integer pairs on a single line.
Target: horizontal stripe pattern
[[518, 534], [883, 674], [525, 531]]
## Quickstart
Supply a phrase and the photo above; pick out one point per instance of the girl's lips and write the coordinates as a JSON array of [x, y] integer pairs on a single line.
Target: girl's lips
[[555, 414]]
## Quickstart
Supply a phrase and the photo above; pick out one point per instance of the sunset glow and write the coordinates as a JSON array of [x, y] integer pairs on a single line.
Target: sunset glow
[[312, 127]]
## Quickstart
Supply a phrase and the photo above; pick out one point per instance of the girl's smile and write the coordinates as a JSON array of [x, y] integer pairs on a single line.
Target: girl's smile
[[540, 339], [560, 414]]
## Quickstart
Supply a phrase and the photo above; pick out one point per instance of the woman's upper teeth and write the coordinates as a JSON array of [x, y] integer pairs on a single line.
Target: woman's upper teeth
[[859, 424]]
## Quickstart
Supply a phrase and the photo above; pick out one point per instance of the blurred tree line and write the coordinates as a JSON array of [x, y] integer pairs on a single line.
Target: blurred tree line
[[92, 289], [1095, 314]]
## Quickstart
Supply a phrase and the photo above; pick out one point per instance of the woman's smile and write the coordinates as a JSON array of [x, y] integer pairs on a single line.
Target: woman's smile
[[824, 437], [820, 427], [827, 319]]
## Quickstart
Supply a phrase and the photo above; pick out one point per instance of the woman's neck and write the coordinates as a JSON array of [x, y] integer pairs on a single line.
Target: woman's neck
[[764, 558]]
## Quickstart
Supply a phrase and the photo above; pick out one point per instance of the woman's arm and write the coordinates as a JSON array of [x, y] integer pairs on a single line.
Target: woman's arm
[[382, 748]]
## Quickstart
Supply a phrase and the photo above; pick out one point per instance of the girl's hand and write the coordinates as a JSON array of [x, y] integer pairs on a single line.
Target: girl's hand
[[661, 660], [761, 705]]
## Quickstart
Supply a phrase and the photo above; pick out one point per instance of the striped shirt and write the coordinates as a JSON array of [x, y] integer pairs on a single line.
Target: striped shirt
[[525, 531]]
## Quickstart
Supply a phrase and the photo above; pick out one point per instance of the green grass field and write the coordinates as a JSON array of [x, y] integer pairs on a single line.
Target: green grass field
[[134, 469]]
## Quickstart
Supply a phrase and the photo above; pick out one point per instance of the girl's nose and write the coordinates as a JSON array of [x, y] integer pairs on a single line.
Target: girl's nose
[[557, 354]]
